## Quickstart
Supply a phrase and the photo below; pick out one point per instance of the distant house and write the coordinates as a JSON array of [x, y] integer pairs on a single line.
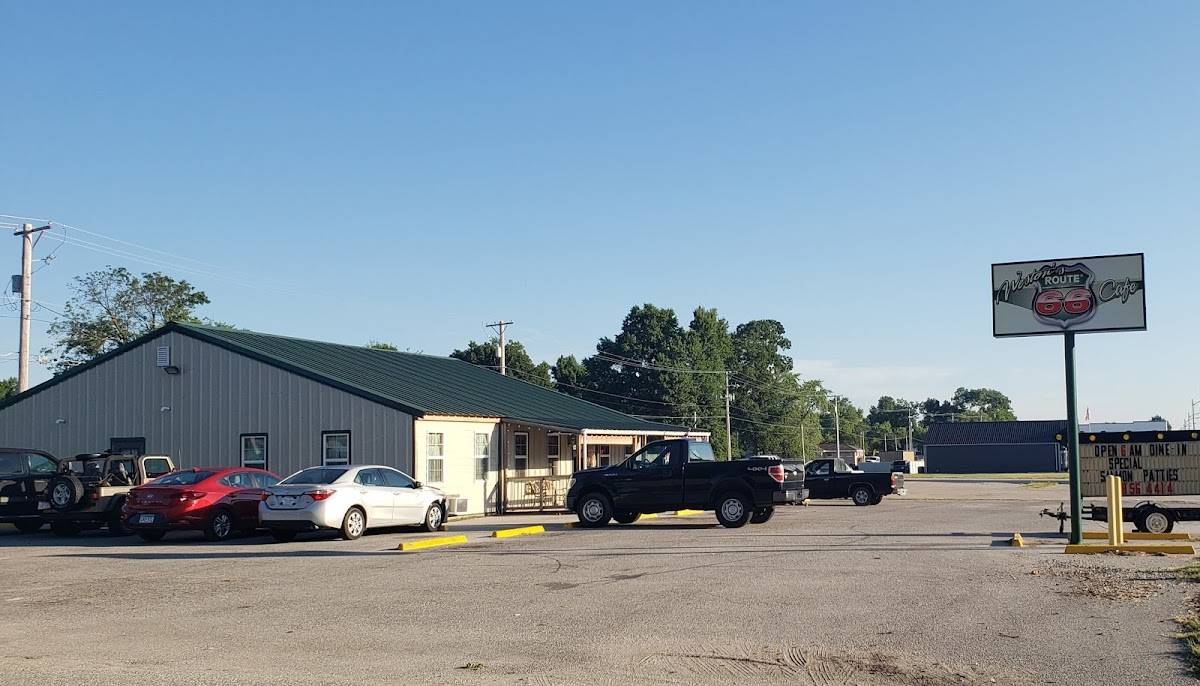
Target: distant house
[[845, 451], [219, 397], [981, 447]]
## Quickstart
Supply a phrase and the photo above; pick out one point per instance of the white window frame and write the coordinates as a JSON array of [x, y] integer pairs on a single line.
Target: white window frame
[[553, 446], [439, 457], [603, 455], [521, 462], [483, 461], [325, 461], [266, 455]]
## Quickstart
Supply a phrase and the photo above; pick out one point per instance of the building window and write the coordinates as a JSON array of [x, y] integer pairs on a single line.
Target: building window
[[254, 450], [483, 455], [552, 446], [521, 452], [435, 451], [335, 448], [604, 454]]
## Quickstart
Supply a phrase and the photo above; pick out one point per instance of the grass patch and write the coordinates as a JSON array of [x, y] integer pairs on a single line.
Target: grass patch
[[1188, 573], [1189, 624], [1040, 484], [1050, 477]]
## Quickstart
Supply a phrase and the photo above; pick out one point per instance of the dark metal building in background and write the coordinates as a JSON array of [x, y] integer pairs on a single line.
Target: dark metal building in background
[[983, 447]]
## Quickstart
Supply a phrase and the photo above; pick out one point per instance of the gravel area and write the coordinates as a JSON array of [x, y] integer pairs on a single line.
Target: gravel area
[[917, 590]]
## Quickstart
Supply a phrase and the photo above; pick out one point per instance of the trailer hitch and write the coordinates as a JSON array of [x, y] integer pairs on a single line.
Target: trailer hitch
[[1062, 516]]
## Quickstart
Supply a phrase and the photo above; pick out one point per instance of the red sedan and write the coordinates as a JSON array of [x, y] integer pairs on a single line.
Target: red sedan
[[219, 501]]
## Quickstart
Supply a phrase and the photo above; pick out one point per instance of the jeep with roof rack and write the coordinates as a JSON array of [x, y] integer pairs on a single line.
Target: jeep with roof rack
[[89, 490]]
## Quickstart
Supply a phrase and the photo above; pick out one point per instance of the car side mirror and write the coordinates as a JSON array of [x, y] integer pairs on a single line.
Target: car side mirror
[[416, 484]]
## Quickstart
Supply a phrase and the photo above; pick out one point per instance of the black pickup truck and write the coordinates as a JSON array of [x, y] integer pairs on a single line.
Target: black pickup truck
[[684, 474], [831, 479]]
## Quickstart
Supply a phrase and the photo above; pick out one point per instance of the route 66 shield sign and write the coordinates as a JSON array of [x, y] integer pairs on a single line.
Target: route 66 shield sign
[[1064, 296]]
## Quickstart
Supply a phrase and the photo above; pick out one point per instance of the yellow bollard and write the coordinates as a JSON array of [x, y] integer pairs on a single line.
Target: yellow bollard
[[1117, 490], [1116, 515]]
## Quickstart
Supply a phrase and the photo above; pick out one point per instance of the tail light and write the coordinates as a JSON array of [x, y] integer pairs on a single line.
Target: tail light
[[894, 475], [319, 494], [191, 495], [776, 472], [264, 495]]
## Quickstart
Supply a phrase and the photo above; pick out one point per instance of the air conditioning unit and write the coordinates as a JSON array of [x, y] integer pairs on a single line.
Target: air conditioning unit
[[456, 505]]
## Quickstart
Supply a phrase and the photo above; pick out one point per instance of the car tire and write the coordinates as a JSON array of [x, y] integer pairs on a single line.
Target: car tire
[[354, 523], [220, 526], [876, 500], [594, 510], [1155, 520], [734, 510], [435, 517], [64, 528], [29, 526], [64, 492], [762, 515], [627, 517], [152, 535], [115, 524], [862, 495], [283, 535]]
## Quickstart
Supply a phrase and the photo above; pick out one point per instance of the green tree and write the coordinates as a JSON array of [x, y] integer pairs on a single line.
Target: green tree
[[849, 417], [112, 307], [640, 363], [8, 387], [705, 349], [570, 376], [771, 405], [382, 345], [516, 360], [983, 404]]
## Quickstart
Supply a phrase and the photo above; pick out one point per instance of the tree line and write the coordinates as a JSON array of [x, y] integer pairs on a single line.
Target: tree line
[[654, 367]]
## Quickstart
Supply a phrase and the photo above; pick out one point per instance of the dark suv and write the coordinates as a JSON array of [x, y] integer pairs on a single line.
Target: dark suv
[[24, 476]]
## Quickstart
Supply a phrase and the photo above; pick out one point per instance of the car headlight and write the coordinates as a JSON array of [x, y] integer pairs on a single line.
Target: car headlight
[[571, 483]]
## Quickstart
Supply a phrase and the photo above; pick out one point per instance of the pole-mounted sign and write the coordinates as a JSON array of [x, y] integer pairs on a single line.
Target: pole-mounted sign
[[1065, 297]]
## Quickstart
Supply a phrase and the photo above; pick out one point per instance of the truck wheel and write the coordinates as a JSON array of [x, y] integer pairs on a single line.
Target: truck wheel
[[64, 492], [220, 527], [762, 515], [594, 510], [733, 510], [1155, 521], [627, 517], [862, 495], [876, 500]]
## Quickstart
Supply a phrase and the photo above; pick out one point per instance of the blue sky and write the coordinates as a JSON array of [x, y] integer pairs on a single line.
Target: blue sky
[[408, 171]]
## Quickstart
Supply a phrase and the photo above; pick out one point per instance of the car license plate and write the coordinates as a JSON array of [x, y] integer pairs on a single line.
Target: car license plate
[[43, 506], [145, 519], [288, 500]]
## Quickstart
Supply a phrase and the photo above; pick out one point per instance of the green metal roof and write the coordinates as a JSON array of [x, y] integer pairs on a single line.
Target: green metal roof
[[413, 383]]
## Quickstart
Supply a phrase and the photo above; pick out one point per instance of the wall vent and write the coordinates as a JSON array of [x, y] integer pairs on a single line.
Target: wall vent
[[163, 358]]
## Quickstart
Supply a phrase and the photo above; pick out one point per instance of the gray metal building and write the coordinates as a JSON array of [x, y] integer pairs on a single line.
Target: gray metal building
[[995, 447], [210, 396]]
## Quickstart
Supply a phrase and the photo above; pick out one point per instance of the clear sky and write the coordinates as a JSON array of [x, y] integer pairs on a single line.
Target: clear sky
[[408, 171]]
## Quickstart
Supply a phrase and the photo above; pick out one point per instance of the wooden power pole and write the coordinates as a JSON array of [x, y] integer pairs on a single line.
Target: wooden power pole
[[499, 327], [26, 234]]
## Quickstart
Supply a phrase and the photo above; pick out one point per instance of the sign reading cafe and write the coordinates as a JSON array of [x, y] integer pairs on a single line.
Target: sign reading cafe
[[1078, 295]]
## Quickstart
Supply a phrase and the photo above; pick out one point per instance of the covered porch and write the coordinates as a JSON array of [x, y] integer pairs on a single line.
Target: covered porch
[[538, 459]]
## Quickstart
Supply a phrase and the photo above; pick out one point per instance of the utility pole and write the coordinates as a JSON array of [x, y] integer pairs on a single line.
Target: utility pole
[[837, 428], [26, 234], [499, 326], [728, 424], [910, 431]]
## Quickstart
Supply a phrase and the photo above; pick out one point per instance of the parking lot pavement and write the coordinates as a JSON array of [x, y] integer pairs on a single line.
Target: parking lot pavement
[[916, 590]]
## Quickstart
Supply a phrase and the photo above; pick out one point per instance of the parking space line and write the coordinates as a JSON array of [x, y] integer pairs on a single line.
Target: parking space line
[[431, 542]]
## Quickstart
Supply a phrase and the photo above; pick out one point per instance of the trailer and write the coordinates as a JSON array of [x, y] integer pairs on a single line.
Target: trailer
[[1147, 516]]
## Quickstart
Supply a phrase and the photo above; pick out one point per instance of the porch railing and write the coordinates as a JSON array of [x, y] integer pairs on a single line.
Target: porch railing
[[539, 493]]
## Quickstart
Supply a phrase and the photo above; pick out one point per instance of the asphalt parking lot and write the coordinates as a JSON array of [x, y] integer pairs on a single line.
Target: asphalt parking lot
[[917, 590]]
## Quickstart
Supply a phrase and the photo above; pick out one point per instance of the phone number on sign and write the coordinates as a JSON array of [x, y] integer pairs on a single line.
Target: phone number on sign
[[1148, 488]]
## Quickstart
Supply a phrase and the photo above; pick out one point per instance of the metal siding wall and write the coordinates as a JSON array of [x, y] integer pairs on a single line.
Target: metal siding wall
[[982, 459], [218, 396]]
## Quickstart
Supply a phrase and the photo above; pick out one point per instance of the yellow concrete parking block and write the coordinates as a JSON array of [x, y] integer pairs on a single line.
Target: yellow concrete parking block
[[1165, 548], [520, 531], [1141, 536], [648, 516], [688, 513], [1016, 541], [431, 542]]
